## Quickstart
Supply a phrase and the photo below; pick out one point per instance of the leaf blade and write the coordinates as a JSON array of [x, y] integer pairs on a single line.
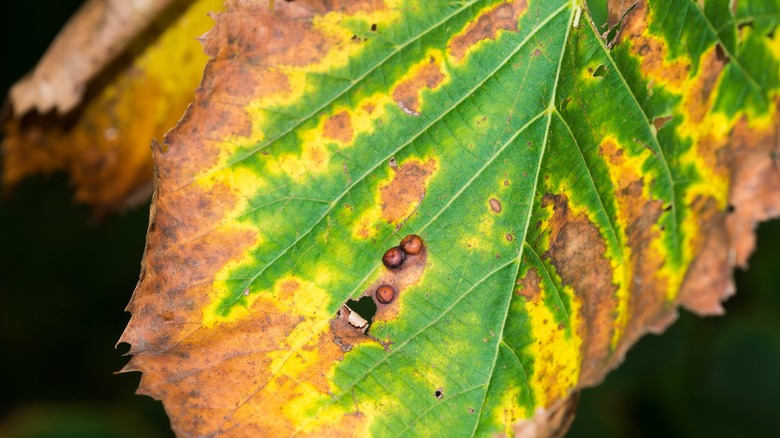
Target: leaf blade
[[543, 216]]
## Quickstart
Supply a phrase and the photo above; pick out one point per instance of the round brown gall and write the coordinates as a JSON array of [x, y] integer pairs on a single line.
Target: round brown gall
[[412, 244], [394, 258], [384, 294]]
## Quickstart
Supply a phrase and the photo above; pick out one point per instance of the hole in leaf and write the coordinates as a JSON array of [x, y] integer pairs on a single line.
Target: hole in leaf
[[598, 12], [610, 36], [660, 122], [616, 13], [600, 71], [364, 307]]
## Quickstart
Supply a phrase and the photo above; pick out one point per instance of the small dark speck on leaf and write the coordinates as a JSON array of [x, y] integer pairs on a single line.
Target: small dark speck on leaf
[[373, 27], [471, 410], [439, 393], [393, 163], [536, 52]]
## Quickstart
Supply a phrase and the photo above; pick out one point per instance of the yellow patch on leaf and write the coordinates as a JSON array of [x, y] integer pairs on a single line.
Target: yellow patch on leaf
[[556, 347]]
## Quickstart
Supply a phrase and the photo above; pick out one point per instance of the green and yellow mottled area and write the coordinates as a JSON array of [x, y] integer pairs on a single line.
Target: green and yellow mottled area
[[559, 187]]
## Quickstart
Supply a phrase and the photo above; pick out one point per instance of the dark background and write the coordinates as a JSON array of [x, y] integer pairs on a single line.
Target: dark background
[[65, 280]]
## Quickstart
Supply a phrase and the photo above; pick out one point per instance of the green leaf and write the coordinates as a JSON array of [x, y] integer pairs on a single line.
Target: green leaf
[[567, 195]]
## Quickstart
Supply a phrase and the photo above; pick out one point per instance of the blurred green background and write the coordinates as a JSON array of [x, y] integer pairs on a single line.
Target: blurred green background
[[65, 280]]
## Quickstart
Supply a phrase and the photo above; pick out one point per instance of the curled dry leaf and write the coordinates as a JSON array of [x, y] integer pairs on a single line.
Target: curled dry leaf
[[104, 143], [95, 36], [275, 203]]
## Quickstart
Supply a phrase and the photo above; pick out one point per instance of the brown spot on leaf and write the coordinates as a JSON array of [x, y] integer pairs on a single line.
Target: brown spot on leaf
[[699, 99], [406, 190], [407, 93], [652, 51], [502, 17], [339, 127], [647, 306], [289, 287], [495, 205], [660, 122], [529, 285], [577, 250]]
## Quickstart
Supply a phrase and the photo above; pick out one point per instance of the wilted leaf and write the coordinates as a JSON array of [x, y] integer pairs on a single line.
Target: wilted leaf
[[104, 143], [568, 196], [95, 36]]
